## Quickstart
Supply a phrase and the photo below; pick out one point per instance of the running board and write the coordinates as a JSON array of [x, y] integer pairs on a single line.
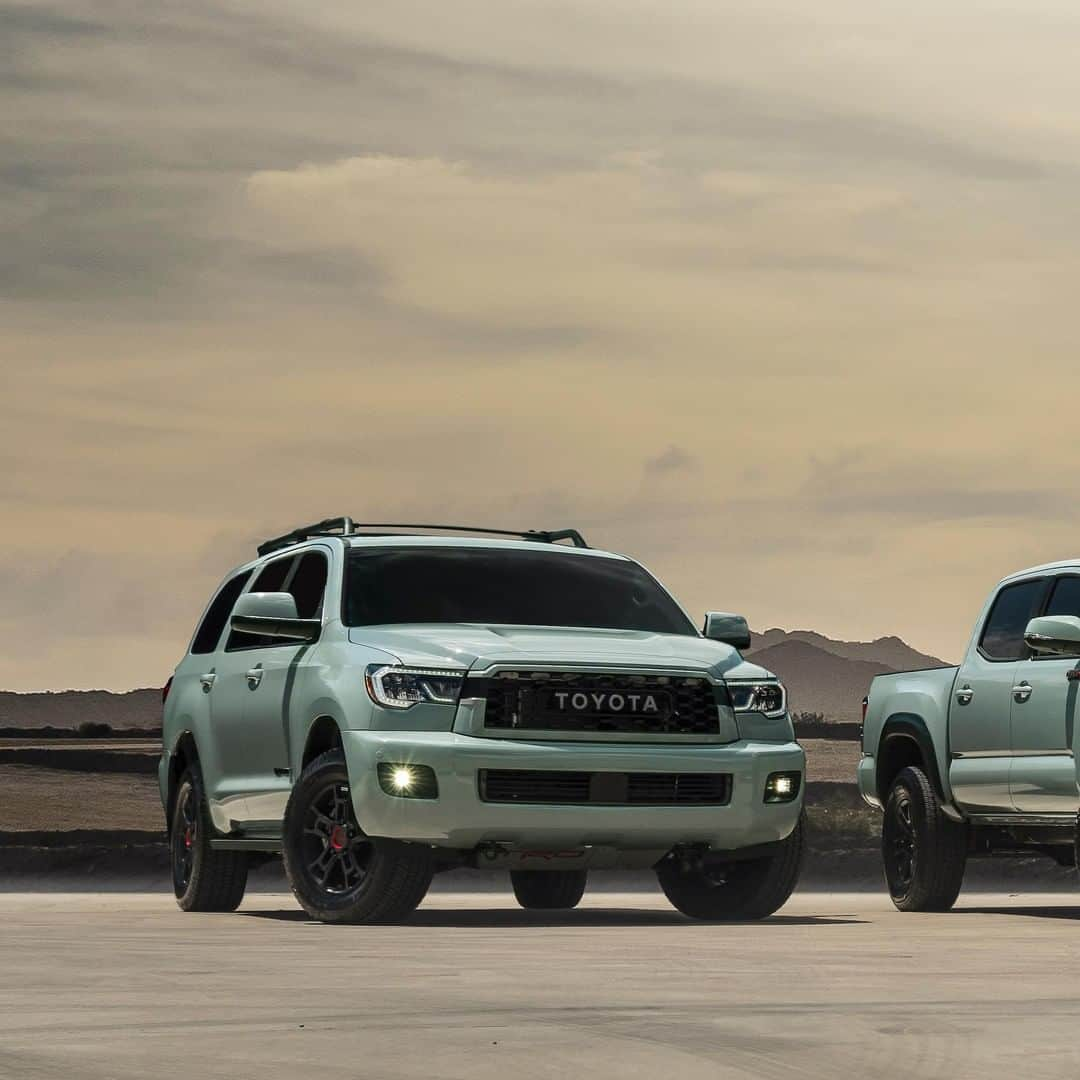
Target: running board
[[268, 844], [1065, 821]]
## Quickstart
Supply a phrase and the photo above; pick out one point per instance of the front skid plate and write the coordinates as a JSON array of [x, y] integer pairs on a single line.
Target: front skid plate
[[590, 857]]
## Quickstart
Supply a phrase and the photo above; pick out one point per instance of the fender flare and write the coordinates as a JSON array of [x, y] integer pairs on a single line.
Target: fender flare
[[913, 727]]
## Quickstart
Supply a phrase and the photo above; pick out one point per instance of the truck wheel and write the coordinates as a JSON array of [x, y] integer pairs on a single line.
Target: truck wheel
[[203, 879], [549, 890], [742, 890], [924, 851], [337, 873]]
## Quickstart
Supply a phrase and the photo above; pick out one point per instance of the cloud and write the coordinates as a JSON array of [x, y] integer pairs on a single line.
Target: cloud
[[748, 293], [674, 459]]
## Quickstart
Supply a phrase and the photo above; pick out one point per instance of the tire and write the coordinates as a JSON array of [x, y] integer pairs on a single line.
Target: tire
[[203, 879], [736, 891], [549, 890], [337, 874], [924, 852]]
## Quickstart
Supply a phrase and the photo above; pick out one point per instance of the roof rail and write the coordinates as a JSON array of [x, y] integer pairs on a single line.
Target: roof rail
[[345, 526], [340, 526]]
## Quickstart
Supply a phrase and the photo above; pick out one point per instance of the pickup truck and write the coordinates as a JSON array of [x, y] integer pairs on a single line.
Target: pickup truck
[[980, 759]]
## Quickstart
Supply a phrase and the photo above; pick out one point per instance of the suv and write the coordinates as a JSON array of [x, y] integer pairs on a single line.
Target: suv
[[377, 707], [980, 759]]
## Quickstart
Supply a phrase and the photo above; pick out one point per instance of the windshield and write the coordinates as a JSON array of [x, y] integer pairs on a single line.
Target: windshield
[[502, 585]]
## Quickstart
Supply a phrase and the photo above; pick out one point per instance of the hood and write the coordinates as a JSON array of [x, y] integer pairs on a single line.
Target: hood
[[470, 645]]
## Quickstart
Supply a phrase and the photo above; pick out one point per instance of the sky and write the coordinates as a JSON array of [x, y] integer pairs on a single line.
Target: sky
[[779, 298]]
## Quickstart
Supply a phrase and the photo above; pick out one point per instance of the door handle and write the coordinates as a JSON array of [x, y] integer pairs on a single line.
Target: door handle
[[964, 695], [1022, 691], [254, 677], [207, 681]]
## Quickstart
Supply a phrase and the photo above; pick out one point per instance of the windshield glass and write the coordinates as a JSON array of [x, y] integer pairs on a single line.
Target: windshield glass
[[502, 585]]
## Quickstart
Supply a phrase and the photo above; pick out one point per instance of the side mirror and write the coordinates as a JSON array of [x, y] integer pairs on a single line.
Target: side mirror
[[730, 629], [1055, 634], [273, 614]]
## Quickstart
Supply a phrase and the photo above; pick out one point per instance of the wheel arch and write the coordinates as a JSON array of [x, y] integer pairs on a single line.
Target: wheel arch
[[323, 734], [185, 753], [906, 741]]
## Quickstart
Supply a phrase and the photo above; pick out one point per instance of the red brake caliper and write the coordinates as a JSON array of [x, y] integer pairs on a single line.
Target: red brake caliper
[[187, 837]]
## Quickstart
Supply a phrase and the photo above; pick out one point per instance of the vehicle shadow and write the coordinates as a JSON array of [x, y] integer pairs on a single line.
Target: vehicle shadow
[[494, 918], [1039, 912]]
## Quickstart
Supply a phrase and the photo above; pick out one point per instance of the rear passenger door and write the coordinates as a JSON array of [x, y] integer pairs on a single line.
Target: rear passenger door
[[269, 699], [980, 734], [1043, 778]]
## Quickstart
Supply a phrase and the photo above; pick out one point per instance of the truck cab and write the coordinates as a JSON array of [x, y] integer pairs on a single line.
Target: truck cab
[[980, 759]]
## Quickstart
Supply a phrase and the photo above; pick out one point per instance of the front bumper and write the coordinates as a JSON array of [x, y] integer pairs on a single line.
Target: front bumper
[[458, 819]]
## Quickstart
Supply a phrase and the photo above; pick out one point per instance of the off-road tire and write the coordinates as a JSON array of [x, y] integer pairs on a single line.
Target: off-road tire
[[203, 879], [549, 890], [924, 851], [736, 891], [388, 879]]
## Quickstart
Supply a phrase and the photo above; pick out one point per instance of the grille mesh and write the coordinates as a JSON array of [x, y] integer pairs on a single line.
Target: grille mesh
[[607, 789], [514, 702]]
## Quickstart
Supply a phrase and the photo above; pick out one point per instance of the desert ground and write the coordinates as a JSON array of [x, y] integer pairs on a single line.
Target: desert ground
[[121, 987]]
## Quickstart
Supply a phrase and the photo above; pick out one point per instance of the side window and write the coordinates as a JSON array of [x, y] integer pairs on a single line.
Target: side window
[[1003, 634], [271, 578], [209, 632], [308, 585], [1064, 600]]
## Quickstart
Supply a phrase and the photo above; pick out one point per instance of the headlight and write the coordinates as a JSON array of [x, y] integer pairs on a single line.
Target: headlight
[[769, 698], [403, 687]]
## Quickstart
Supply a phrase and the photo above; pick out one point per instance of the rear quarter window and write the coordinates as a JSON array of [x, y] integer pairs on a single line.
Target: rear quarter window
[[213, 622]]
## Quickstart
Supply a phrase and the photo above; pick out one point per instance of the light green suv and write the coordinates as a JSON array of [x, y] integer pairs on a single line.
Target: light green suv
[[377, 706]]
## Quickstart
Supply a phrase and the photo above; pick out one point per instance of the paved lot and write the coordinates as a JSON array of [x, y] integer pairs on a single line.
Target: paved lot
[[121, 987]]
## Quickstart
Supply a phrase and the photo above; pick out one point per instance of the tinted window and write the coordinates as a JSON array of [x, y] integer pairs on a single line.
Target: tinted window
[[1003, 635], [209, 632], [308, 585], [271, 578], [1065, 599], [273, 575], [502, 585]]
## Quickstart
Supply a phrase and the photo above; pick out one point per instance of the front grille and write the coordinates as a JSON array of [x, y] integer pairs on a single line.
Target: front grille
[[516, 701], [604, 788]]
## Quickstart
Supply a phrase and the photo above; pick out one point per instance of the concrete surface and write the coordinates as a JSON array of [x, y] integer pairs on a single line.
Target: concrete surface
[[119, 987]]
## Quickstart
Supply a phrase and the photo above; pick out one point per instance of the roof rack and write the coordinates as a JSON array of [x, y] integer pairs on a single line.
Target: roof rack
[[345, 526]]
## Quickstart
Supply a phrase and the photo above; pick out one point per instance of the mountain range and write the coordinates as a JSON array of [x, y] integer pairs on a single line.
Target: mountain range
[[822, 676], [831, 677]]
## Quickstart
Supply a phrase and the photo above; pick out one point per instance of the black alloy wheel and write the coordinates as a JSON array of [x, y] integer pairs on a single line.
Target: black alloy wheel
[[898, 845], [924, 850], [337, 854], [336, 872], [185, 835], [204, 879]]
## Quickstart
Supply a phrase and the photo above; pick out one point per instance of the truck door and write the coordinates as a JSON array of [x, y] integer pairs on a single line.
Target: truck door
[[980, 734], [1044, 705], [270, 693], [248, 753]]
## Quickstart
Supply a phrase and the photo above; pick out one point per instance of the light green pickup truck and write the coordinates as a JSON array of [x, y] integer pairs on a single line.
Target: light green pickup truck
[[379, 703], [980, 759]]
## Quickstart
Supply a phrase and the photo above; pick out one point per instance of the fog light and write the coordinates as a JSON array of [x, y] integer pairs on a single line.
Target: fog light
[[782, 786], [408, 781]]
